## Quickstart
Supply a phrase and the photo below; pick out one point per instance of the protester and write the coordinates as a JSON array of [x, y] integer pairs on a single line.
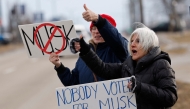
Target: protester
[[107, 42], [152, 78]]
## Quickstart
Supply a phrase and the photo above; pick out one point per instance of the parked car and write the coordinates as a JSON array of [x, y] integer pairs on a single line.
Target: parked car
[[81, 30], [164, 26]]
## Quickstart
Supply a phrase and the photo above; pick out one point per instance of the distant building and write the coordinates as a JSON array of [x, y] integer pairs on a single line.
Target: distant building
[[17, 16], [38, 17]]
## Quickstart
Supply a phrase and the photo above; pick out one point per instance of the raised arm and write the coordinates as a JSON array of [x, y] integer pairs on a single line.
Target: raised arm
[[113, 38], [106, 27], [101, 69]]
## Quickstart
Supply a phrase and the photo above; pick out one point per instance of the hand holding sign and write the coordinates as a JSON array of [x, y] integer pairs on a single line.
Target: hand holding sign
[[54, 58], [89, 15], [132, 84]]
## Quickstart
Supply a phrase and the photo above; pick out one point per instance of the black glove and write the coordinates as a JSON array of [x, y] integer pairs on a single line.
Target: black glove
[[72, 45], [133, 85], [84, 47]]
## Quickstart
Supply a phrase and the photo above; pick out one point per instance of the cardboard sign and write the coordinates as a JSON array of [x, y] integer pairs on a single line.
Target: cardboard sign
[[111, 94], [42, 39]]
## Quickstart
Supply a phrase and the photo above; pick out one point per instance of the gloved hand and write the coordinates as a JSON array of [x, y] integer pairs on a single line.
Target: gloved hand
[[132, 84], [84, 47], [72, 45]]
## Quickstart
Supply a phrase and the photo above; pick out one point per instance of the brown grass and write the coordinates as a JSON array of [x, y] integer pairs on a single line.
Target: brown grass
[[177, 51], [180, 37], [176, 37], [183, 101], [10, 47]]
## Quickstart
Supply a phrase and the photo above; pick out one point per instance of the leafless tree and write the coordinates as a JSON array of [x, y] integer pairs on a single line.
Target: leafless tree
[[170, 7], [141, 11], [136, 11]]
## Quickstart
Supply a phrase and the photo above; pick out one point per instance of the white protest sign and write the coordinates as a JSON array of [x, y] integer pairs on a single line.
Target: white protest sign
[[40, 39], [111, 94]]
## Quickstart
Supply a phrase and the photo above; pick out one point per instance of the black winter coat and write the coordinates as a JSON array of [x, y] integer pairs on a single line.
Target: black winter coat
[[156, 86]]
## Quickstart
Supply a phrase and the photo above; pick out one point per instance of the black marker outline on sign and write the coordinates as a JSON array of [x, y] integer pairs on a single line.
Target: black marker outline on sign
[[26, 38], [50, 38]]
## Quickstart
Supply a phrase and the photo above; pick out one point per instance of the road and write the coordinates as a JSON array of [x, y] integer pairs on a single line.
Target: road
[[28, 83]]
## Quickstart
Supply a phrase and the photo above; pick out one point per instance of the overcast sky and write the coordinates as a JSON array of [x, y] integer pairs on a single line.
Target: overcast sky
[[72, 9]]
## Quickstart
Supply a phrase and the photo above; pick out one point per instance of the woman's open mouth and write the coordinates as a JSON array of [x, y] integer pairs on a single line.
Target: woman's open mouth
[[134, 52]]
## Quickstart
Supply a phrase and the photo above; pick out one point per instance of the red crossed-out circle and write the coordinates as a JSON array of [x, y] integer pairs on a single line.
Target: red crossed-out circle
[[50, 38]]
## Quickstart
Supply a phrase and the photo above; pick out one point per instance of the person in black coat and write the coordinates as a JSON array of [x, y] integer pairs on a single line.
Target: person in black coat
[[152, 78]]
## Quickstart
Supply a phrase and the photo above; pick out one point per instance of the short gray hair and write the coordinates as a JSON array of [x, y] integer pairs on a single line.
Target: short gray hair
[[147, 38]]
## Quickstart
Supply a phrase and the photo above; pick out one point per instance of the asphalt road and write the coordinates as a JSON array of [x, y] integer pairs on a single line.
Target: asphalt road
[[29, 83]]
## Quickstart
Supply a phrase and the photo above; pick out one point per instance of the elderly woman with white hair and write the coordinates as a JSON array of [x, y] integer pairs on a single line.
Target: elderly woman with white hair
[[152, 78]]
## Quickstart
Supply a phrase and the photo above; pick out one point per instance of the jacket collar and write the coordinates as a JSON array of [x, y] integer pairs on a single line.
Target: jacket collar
[[148, 58], [153, 55]]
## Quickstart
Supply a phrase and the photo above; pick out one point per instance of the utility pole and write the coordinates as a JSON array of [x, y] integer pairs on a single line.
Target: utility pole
[[136, 11], [132, 12], [172, 14], [141, 11]]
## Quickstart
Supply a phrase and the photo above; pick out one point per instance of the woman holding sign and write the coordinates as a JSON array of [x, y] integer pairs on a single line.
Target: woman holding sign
[[152, 78], [106, 41]]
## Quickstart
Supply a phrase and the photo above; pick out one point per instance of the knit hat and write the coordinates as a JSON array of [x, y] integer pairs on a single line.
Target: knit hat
[[109, 18]]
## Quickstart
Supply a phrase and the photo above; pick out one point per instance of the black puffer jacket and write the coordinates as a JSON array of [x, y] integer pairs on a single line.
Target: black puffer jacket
[[156, 86]]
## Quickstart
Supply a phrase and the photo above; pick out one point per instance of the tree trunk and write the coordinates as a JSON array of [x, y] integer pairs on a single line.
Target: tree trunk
[[141, 11]]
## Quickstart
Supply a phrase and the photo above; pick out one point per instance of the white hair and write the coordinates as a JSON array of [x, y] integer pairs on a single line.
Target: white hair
[[147, 39]]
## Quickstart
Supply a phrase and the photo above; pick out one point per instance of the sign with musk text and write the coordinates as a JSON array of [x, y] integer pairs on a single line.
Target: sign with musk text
[[111, 94], [42, 39]]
